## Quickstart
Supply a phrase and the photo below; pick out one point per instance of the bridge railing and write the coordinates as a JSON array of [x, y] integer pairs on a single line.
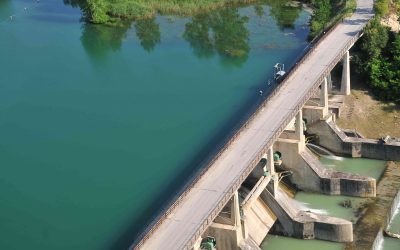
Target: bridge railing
[[232, 188]]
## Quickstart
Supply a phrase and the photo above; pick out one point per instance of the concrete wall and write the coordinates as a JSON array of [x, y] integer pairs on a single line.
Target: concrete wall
[[307, 225], [258, 220], [308, 174], [312, 113], [330, 136], [304, 177], [224, 235]]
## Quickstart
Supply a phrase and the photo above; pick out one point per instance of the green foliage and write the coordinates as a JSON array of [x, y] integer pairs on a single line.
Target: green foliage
[[382, 7], [327, 12], [379, 60], [96, 10], [106, 11], [375, 39]]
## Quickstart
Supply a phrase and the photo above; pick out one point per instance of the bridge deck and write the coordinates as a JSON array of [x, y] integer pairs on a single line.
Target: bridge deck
[[198, 208]]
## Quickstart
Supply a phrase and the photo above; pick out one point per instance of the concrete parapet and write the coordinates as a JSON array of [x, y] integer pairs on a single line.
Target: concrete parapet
[[330, 136], [307, 225]]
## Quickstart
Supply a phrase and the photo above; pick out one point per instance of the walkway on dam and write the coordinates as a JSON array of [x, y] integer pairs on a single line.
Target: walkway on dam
[[201, 204]]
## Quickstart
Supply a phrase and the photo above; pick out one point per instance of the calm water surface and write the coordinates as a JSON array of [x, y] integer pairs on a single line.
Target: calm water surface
[[365, 167], [390, 243], [100, 126], [273, 242]]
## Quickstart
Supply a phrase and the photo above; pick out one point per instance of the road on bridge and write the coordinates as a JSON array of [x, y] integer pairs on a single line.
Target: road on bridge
[[196, 211]]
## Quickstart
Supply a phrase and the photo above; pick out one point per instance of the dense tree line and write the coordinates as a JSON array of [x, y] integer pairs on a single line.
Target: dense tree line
[[378, 55], [328, 12]]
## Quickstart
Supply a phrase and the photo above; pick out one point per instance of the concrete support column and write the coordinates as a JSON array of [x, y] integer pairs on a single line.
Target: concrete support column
[[245, 228], [299, 129], [235, 216], [271, 169], [345, 86], [270, 161], [330, 85], [324, 97]]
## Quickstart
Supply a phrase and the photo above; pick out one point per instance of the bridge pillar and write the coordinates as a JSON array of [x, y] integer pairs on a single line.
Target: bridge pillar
[[345, 86], [271, 169], [330, 85], [235, 216], [299, 129], [324, 97]]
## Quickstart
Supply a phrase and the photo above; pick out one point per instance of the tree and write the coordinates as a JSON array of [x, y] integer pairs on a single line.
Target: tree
[[96, 11]]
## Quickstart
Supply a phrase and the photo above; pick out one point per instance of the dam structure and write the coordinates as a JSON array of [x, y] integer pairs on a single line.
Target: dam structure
[[212, 204]]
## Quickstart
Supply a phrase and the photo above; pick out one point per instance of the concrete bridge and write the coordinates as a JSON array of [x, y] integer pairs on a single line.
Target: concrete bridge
[[197, 212]]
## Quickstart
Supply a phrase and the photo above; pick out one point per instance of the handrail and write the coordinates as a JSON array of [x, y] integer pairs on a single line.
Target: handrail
[[258, 155]]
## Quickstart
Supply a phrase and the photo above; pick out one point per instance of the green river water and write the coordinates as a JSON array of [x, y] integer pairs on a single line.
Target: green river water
[[394, 227], [100, 126]]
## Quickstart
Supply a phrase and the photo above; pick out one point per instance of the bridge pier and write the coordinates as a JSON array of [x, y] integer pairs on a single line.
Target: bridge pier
[[235, 216], [271, 169], [299, 129], [345, 86], [324, 97], [329, 80], [228, 232]]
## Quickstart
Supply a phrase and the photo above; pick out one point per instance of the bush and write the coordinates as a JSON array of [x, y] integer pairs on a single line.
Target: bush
[[379, 60]]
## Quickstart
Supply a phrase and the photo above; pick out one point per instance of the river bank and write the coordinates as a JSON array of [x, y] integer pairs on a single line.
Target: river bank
[[375, 215], [373, 119], [100, 11], [368, 116]]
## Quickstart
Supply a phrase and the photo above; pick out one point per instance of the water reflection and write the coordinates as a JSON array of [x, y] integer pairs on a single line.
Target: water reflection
[[5, 10], [222, 32], [82, 4], [98, 40], [285, 12], [148, 32]]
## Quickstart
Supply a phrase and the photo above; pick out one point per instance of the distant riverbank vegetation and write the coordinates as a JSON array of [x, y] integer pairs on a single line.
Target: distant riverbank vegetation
[[222, 32], [378, 54], [326, 12], [108, 11]]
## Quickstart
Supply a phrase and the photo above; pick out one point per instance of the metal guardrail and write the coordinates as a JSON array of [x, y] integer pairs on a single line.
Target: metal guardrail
[[257, 156]]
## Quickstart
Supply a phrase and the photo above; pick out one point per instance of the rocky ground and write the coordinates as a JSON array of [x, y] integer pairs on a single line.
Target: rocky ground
[[372, 118]]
